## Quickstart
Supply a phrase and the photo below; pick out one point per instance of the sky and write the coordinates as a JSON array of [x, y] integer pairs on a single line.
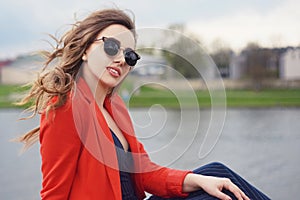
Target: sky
[[234, 23]]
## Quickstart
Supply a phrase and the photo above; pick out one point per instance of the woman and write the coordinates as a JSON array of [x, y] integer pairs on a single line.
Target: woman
[[88, 146]]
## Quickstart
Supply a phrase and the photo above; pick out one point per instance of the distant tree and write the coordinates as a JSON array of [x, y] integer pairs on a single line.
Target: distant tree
[[221, 55], [257, 60], [181, 44], [146, 50], [178, 27]]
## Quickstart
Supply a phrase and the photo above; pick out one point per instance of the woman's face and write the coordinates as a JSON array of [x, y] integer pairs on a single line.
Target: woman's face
[[108, 70]]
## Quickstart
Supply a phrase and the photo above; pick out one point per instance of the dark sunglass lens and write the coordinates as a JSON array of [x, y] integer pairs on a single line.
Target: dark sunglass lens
[[131, 57], [111, 47]]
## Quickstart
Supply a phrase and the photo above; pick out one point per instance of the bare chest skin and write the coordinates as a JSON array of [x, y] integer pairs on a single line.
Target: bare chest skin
[[113, 126]]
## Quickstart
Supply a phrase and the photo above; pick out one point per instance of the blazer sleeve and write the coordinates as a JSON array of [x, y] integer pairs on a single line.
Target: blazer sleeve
[[161, 181], [60, 149]]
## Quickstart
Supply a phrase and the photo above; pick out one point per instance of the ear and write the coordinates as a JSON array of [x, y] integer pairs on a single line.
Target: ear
[[84, 57]]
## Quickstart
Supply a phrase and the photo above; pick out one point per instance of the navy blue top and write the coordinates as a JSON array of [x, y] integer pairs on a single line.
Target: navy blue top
[[125, 167]]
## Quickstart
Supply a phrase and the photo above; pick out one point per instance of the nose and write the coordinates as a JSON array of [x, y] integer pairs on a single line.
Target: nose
[[119, 58]]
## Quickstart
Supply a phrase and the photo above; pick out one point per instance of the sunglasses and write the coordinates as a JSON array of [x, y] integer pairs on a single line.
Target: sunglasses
[[112, 47]]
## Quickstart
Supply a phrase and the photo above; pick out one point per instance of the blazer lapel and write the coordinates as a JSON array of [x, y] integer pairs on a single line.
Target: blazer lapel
[[117, 109], [109, 155], [95, 134]]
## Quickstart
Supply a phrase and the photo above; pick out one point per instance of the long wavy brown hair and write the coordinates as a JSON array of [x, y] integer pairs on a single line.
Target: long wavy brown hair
[[68, 52]]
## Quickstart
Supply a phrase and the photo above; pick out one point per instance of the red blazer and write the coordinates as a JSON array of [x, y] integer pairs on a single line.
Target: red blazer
[[79, 159]]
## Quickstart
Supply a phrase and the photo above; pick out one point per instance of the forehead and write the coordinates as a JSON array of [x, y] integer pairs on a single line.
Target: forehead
[[119, 32]]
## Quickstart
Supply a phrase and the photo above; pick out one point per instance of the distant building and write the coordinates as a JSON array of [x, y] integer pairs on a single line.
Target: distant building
[[290, 64], [237, 68], [150, 65], [283, 63], [3, 63], [21, 70]]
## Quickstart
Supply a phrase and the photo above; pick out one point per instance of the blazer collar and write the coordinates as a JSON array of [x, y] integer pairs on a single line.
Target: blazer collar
[[85, 90], [114, 105], [119, 112]]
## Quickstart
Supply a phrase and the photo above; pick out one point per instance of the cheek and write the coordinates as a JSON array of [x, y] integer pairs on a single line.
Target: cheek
[[97, 61]]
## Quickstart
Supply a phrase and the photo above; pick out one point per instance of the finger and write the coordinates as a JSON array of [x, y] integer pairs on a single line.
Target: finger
[[241, 194], [245, 196], [237, 194], [234, 189], [221, 195]]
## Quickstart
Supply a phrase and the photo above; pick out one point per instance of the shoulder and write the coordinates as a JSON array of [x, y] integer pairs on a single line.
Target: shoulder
[[60, 122], [56, 115], [72, 101], [63, 114]]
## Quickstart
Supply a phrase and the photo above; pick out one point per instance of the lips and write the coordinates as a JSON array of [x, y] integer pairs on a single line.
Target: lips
[[114, 71]]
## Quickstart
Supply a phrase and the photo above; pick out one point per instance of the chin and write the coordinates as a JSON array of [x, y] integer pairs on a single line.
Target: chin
[[110, 84]]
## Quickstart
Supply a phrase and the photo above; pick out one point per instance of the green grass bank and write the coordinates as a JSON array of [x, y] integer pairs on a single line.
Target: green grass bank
[[148, 96]]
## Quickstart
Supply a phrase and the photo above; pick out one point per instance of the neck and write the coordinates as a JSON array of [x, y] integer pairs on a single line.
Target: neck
[[100, 93], [97, 88]]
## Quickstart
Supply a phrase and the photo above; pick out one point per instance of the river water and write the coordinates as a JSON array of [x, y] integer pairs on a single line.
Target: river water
[[262, 145]]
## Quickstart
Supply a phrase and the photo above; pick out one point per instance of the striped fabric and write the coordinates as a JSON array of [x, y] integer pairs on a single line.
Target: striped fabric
[[220, 170]]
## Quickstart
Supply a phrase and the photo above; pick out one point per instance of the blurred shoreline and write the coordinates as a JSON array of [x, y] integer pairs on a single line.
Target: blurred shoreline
[[147, 96]]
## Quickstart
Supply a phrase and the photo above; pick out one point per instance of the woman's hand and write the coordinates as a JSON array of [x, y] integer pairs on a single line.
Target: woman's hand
[[213, 186]]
